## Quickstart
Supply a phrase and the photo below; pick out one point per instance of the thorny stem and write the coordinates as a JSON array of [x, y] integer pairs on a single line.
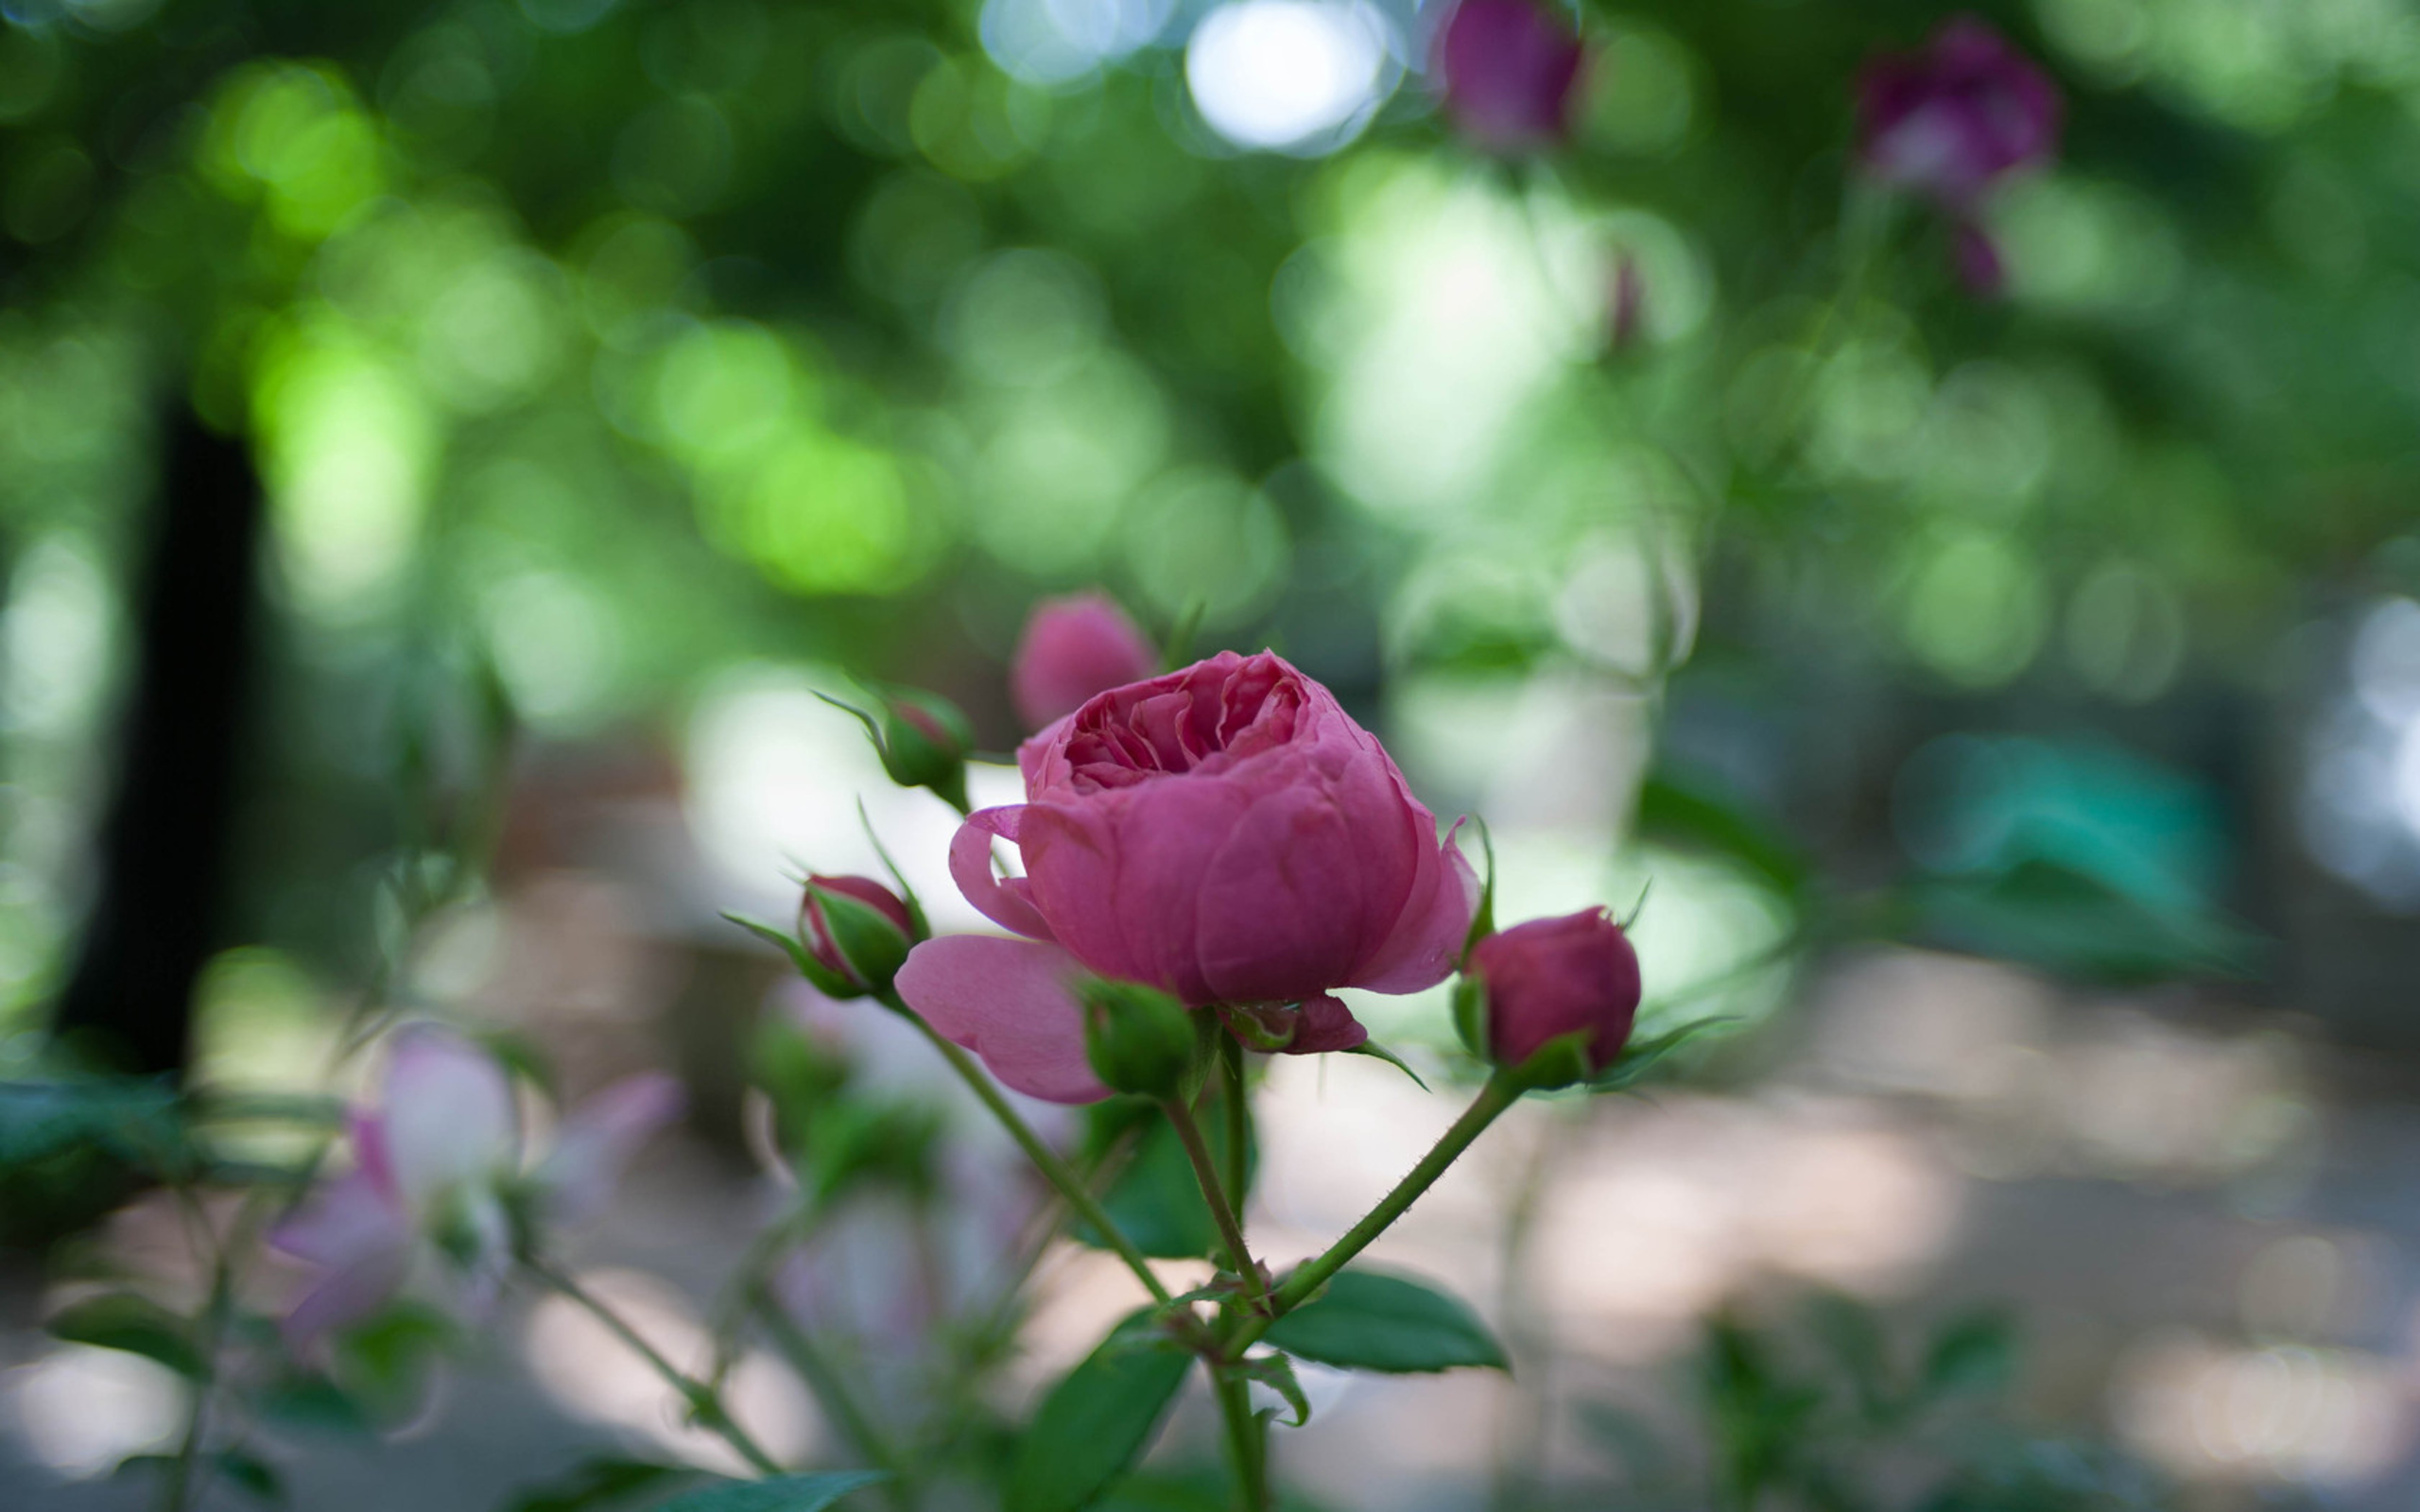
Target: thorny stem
[[1231, 1052], [705, 1401], [1247, 1440], [1500, 1092], [1205, 1170], [1045, 1160], [832, 1392]]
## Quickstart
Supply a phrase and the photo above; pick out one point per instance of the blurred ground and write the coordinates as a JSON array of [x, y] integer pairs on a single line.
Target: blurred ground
[[2197, 1211]]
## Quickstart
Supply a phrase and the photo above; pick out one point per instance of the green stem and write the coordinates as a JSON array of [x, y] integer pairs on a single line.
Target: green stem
[[1045, 1160], [1247, 1441], [1205, 1171], [1500, 1092], [705, 1401], [1230, 1051], [832, 1393]]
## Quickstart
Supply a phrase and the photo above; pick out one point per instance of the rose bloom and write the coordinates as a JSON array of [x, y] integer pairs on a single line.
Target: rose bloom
[[1952, 118], [1072, 648], [1551, 977], [1225, 833], [1507, 69]]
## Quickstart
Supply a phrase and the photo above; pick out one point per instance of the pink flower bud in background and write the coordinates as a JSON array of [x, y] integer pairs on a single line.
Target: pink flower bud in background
[[1951, 118], [858, 950], [1225, 833], [1552, 977], [1072, 648], [1507, 70]]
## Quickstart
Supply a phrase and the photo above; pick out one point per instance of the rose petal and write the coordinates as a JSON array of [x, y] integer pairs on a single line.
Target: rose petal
[[1325, 1024], [343, 1220], [1008, 1001], [1004, 903], [345, 1296], [448, 1114], [597, 1140], [1426, 945]]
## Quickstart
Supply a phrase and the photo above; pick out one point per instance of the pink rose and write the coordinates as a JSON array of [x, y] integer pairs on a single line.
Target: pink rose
[[1225, 833], [1551, 977], [1072, 648], [1506, 68]]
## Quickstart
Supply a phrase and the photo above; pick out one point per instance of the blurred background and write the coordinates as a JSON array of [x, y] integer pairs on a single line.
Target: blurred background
[[444, 447]]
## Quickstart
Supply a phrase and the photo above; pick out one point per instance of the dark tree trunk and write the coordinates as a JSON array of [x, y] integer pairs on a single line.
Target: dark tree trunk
[[163, 868]]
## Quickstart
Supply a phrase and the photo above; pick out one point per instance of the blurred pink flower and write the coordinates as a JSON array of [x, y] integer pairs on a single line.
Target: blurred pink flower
[[438, 1165], [1507, 69], [1225, 833], [1551, 977], [1952, 118], [1072, 648]]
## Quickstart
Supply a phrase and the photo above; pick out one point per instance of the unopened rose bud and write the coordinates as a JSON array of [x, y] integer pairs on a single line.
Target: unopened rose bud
[[857, 930], [924, 743], [1072, 648], [1138, 1038], [1552, 999], [1952, 118], [1507, 69]]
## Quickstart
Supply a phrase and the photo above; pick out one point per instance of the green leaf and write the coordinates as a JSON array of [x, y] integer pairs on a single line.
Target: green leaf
[[1277, 1372], [1689, 813], [1371, 1320], [137, 1325], [252, 1475], [780, 1493], [1156, 1201], [597, 1482], [1977, 1354], [314, 1404], [131, 1117], [1097, 1420]]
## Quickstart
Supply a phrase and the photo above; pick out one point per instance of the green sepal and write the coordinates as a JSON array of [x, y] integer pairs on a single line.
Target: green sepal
[[1378, 1052], [1137, 1039], [1470, 1014], [919, 926], [828, 982], [1562, 1061], [1640, 1057], [866, 938]]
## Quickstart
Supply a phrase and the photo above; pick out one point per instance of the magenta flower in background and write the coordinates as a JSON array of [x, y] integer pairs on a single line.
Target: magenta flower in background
[[1072, 648], [1953, 117], [1507, 69], [1225, 833], [1551, 977], [436, 1166]]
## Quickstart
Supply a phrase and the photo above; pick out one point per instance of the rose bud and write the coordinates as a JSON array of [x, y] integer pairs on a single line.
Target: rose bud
[[1137, 1039], [924, 743], [1506, 68], [857, 931], [1072, 648], [1951, 119], [1225, 833], [1551, 999]]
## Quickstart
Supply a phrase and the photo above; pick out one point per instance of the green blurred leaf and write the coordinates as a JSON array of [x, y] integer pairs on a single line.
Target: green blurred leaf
[[597, 1482], [1097, 1420], [1373, 1320], [252, 1475], [2063, 921], [133, 1118], [1157, 1202], [136, 1324], [312, 1403], [1973, 1353], [1690, 814], [780, 1493]]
